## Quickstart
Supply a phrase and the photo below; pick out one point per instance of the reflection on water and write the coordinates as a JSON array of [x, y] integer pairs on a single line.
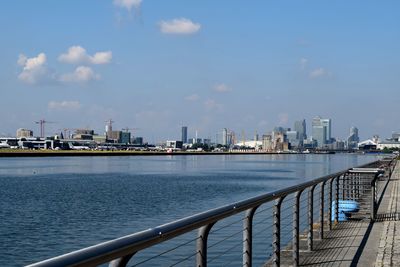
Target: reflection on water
[[51, 206]]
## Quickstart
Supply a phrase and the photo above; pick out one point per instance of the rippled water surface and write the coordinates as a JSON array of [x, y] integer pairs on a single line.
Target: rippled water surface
[[50, 206]]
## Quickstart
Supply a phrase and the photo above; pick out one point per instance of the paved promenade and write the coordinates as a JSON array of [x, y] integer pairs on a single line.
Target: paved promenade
[[389, 245], [360, 243]]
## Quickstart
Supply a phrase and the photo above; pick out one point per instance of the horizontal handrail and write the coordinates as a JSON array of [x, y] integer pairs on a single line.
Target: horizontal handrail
[[129, 244]]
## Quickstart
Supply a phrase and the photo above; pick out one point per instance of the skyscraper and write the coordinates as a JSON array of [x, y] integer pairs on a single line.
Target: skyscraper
[[184, 134], [327, 123], [300, 128], [321, 130], [353, 139], [224, 137]]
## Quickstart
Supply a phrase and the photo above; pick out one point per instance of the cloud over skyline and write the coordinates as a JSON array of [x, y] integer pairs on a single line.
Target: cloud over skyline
[[34, 68], [78, 55], [81, 74], [179, 26]]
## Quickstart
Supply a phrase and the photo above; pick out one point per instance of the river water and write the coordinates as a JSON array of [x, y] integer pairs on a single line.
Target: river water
[[51, 206]]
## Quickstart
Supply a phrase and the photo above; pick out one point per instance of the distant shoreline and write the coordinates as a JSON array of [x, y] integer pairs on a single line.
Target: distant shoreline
[[72, 153]]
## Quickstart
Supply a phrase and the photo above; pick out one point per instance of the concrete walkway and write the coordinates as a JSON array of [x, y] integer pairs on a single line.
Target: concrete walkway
[[361, 243], [389, 245]]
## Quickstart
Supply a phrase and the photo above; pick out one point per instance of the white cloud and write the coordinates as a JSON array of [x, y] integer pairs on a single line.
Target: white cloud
[[318, 73], [179, 26], [64, 105], [78, 55], [81, 74], [128, 4], [303, 63], [193, 97], [34, 69], [222, 88]]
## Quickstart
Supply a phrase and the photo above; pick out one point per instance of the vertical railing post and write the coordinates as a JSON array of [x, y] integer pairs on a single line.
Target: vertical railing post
[[373, 197], [330, 204], [343, 186], [310, 217], [201, 258], [248, 237], [296, 228], [276, 243], [121, 262], [337, 199], [321, 211]]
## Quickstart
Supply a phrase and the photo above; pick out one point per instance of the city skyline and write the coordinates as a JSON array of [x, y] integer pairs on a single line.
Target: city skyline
[[159, 66]]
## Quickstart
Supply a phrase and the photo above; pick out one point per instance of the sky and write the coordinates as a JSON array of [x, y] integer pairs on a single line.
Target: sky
[[158, 65]]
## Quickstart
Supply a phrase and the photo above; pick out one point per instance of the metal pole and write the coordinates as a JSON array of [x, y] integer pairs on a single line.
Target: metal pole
[[121, 262], [276, 243], [337, 200], [296, 228], [310, 217], [321, 211], [248, 237], [201, 258], [330, 204], [373, 200]]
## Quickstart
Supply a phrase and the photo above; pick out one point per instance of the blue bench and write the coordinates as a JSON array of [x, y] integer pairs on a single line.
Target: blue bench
[[346, 207]]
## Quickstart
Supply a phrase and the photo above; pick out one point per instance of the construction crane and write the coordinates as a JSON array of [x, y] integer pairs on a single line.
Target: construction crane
[[42, 128], [127, 129]]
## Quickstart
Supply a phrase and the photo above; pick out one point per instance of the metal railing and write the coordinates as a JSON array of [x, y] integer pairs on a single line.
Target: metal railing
[[295, 209]]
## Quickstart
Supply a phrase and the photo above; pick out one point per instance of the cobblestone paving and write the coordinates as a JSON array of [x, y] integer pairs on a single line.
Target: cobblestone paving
[[389, 245]]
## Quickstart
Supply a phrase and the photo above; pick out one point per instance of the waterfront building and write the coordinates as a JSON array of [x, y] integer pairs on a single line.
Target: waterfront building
[[300, 127], [137, 141], [114, 136], [224, 137], [24, 133], [327, 123], [184, 138], [83, 134], [322, 131], [125, 138], [174, 144], [395, 137], [99, 139], [293, 138], [387, 144], [353, 139], [267, 142]]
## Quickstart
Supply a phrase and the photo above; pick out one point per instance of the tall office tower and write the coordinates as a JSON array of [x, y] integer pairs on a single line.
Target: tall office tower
[[321, 130], [328, 130], [300, 127], [353, 139], [184, 134], [224, 137], [318, 131]]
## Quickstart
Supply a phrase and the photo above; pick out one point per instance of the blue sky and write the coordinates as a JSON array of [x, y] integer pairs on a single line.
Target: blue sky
[[158, 65]]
